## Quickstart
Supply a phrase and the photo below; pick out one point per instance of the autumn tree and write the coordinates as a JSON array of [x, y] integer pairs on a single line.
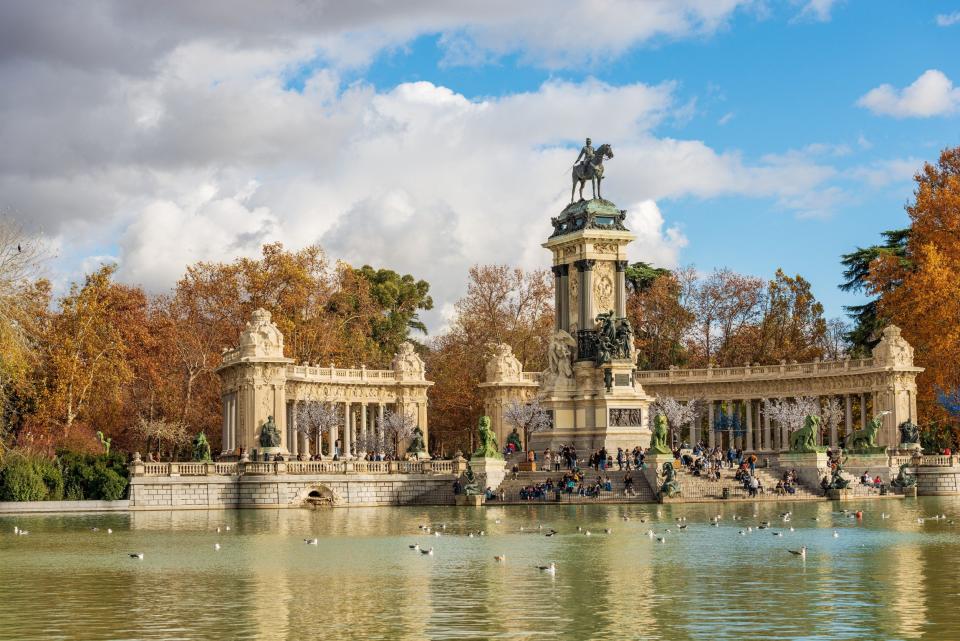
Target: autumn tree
[[86, 354], [662, 318], [24, 299], [919, 289], [502, 305]]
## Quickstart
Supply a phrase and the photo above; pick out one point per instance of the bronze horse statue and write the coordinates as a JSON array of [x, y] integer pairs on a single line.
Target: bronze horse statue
[[592, 171]]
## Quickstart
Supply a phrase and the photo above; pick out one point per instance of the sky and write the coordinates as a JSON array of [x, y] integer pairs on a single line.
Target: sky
[[427, 136]]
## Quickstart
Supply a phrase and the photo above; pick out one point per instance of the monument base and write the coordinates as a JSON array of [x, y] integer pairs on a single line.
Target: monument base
[[840, 495], [909, 448], [475, 500], [490, 472], [875, 463], [810, 466]]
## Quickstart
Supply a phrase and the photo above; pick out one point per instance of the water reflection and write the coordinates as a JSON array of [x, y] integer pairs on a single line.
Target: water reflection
[[879, 578]]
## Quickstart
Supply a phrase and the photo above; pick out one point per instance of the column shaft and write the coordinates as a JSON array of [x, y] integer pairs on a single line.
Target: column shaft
[[750, 443]]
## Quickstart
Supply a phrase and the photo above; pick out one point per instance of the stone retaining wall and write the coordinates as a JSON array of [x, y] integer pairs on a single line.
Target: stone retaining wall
[[937, 480], [272, 491], [23, 507]]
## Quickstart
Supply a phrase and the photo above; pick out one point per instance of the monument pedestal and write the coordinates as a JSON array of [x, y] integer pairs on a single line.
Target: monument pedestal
[[876, 463], [652, 465], [475, 500], [840, 495], [490, 472], [810, 466]]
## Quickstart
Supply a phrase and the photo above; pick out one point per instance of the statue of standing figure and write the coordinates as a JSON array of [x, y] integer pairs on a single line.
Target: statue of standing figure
[[201, 448]]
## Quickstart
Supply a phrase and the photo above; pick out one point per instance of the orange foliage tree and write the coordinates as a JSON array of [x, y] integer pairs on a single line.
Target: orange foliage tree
[[502, 305], [921, 291]]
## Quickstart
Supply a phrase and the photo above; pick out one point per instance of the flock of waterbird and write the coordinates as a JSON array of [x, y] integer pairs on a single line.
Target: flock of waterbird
[[786, 518], [776, 529]]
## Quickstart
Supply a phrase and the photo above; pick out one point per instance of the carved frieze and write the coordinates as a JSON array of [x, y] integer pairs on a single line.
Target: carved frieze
[[626, 417]]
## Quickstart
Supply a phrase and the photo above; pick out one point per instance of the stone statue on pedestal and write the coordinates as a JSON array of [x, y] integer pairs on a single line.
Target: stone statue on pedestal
[[201, 448], [903, 478], [865, 440], [470, 485], [805, 438], [837, 482], [909, 433], [658, 438], [416, 447], [488, 441], [671, 486], [269, 434]]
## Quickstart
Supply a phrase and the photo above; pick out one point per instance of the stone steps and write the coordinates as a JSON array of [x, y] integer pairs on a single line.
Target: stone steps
[[695, 487], [642, 492]]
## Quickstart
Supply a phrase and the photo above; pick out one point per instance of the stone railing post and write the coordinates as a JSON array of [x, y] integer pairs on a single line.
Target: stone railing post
[[391, 467], [210, 468], [280, 467], [174, 469], [459, 465], [347, 467], [426, 467], [136, 465]]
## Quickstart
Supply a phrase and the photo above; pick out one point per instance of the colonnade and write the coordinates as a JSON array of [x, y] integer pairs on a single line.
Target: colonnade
[[352, 437], [758, 431]]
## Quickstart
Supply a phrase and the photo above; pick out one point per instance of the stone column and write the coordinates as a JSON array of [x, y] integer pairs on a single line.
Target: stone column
[[558, 296], [585, 267], [695, 429], [621, 286], [711, 433], [863, 411], [363, 426], [767, 435], [750, 444], [381, 436], [294, 432], [347, 429], [847, 415], [332, 440], [730, 434], [564, 297]]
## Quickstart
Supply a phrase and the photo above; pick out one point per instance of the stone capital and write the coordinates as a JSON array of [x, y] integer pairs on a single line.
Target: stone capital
[[622, 265], [585, 264], [560, 270]]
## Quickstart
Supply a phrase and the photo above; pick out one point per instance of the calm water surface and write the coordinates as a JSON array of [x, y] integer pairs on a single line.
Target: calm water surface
[[892, 578]]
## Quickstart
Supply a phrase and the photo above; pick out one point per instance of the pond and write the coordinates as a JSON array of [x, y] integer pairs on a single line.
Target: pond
[[885, 576]]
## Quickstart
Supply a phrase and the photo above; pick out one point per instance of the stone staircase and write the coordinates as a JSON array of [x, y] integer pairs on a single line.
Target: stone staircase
[[701, 488], [642, 492]]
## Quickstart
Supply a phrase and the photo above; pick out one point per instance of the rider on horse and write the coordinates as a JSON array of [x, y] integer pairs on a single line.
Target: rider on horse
[[586, 152]]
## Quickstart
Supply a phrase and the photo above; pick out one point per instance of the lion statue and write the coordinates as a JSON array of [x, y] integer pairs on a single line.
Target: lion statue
[[658, 438], [866, 439], [805, 438]]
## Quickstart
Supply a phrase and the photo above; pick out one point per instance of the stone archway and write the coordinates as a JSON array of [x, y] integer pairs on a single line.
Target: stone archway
[[319, 495]]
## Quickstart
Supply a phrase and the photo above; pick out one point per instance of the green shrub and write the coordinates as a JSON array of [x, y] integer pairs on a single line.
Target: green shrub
[[52, 478], [94, 477], [30, 478]]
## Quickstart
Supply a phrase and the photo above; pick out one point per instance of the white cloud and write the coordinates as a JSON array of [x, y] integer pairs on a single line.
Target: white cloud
[[932, 94], [884, 172], [948, 19], [819, 10], [725, 118], [188, 146], [654, 244]]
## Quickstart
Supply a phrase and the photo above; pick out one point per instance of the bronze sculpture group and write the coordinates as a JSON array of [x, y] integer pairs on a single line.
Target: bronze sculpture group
[[613, 338]]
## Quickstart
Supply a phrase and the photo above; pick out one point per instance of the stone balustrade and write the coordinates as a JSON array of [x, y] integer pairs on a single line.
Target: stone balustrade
[[784, 369], [317, 374], [257, 468]]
